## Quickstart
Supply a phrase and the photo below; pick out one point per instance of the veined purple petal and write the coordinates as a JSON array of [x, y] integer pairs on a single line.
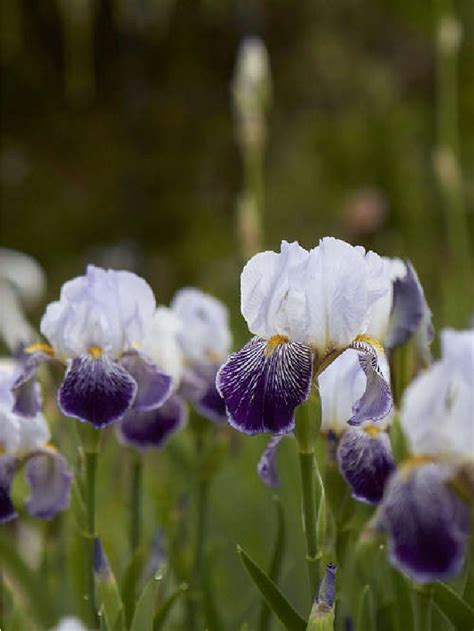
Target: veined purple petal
[[427, 523], [409, 310], [150, 430], [97, 390], [49, 478], [267, 464], [261, 386], [366, 462], [376, 402], [8, 466], [154, 385]]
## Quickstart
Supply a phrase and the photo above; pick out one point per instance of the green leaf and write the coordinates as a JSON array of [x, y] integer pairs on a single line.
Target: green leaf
[[273, 596], [453, 607], [163, 611], [146, 606], [129, 585], [275, 565], [401, 609], [27, 581], [365, 614]]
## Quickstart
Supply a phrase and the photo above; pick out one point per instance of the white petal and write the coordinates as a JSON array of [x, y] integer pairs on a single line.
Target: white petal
[[204, 333], [271, 302], [457, 348], [161, 343], [340, 386], [336, 281], [104, 308]]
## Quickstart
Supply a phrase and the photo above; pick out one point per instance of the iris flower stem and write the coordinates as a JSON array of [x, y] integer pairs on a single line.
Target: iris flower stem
[[199, 427], [91, 470], [423, 600], [136, 491], [306, 432], [90, 439]]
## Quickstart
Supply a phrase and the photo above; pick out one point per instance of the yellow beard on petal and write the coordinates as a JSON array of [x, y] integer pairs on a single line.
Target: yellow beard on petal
[[372, 430], [273, 343], [95, 352], [368, 339], [43, 348]]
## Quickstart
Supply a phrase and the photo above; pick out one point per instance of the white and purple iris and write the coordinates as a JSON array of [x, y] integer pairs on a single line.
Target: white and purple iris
[[305, 308], [188, 341], [24, 442], [97, 328], [364, 453], [427, 522]]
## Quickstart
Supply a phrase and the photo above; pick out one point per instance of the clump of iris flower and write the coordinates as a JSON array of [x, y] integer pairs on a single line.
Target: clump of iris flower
[[24, 442], [97, 329], [426, 520], [305, 308]]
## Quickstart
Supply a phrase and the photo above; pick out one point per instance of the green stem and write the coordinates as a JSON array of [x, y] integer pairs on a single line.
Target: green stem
[[423, 602], [136, 486], [195, 601], [306, 432], [91, 470]]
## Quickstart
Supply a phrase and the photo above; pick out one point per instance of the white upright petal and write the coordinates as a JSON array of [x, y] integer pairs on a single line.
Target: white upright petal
[[161, 343], [69, 624], [34, 434], [340, 386], [342, 283], [437, 411], [109, 309], [272, 302], [204, 333], [379, 315]]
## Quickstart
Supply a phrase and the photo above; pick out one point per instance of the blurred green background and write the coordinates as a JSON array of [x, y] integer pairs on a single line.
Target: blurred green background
[[119, 147]]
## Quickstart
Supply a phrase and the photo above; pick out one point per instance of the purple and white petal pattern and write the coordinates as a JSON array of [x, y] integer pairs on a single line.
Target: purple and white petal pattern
[[376, 402], [263, 383], [427, 523], [150, 430], [409, 310], [154, 385], [266, 467], [366, 462], [25, 388], [97, 390], [49, 478], [8, 466], [199, 387]]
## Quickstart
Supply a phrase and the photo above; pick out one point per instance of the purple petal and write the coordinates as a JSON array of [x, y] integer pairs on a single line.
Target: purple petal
[[96, 390], [427, 523], [154, 385], [366, 462], [26, 389], [376, 402], [8, 466], [327, 589], [409, 310], [49, 478], [202, 392], [266, 467], [150, 430], [261, 389]]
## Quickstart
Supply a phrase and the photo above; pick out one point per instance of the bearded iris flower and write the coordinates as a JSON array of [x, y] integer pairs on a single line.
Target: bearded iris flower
[[97, 329], [24, 442], [188, 341], [426, 521], [305, 309]]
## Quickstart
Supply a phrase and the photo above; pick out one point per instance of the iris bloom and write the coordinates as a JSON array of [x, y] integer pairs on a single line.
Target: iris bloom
[[188, 341], [304, 309], [97, 329], [24, 442], [427, 522]]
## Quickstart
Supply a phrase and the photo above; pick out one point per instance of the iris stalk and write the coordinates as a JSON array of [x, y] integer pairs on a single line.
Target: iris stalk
[[136, 490], [90, 439], [306, 431]]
